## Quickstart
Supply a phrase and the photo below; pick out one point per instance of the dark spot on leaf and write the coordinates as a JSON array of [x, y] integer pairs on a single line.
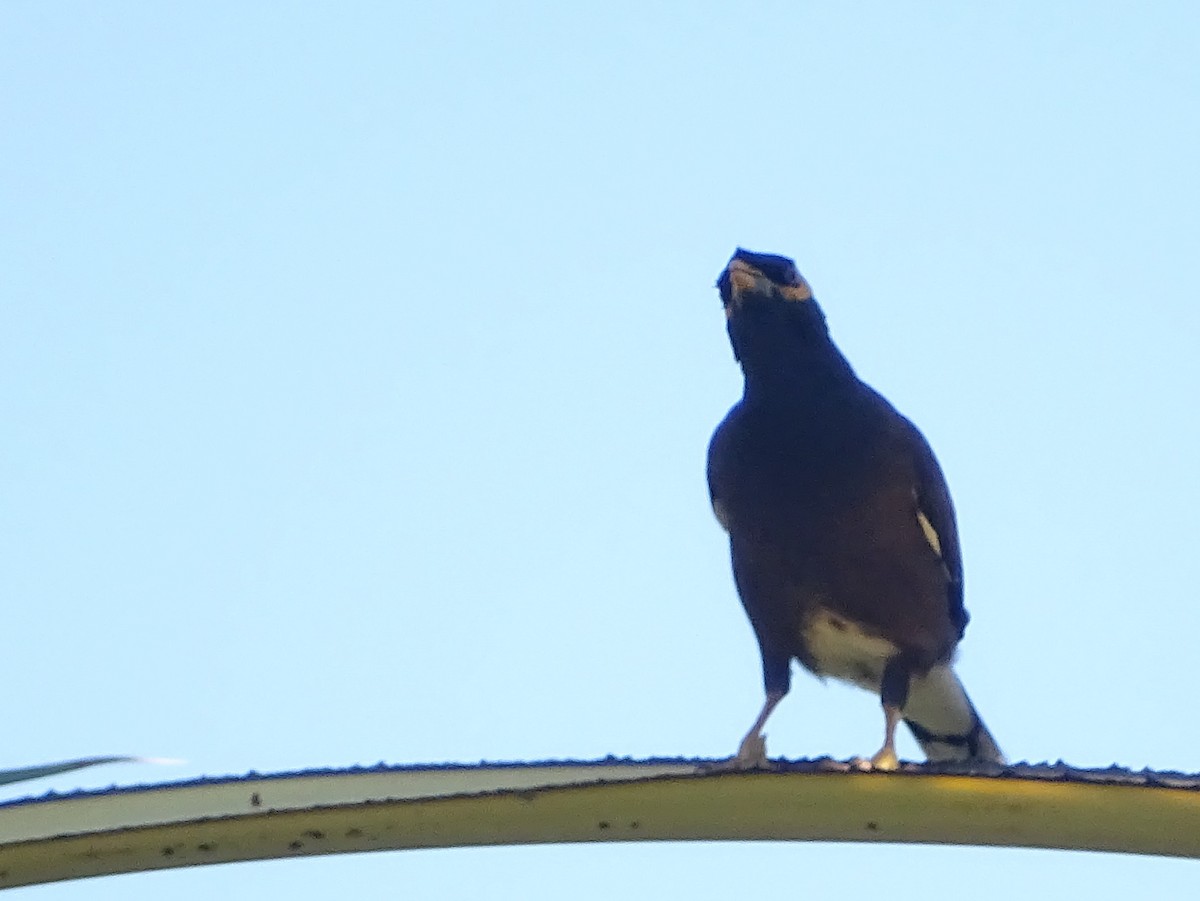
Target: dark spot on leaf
[[315, 833], [603, 824], [872, 826], [255, 800], [296, 845], [204, 846], [634, 824], [168, 851], [354, 833]]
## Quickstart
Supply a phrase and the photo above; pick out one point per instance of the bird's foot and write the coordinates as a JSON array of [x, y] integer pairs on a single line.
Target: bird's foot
[[751, 755], [885, 760]]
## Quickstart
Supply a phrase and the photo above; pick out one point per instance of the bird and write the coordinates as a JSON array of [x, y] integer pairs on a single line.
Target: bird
[[842, 533]]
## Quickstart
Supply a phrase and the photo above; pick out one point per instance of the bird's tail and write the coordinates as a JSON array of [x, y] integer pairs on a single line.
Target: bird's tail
[[944, 722]]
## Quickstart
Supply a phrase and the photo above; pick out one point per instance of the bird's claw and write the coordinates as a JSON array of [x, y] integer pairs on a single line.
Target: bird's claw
[[885, 760], [751, 755]]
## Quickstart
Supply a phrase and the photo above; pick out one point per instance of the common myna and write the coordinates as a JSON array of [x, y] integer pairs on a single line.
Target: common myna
[[841, 529]]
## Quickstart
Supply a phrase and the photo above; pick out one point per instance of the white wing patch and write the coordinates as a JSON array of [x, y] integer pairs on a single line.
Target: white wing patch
[[931, 534]]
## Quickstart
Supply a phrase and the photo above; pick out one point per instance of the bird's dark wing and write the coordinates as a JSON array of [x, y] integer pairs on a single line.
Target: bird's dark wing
[[937, 509], [760, 573], [719, 452]]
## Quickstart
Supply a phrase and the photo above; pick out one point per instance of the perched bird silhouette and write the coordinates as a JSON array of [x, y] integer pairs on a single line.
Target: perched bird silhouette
[[841, 528]]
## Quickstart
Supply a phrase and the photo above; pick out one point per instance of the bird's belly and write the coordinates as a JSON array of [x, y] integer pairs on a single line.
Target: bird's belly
[[837, 647]]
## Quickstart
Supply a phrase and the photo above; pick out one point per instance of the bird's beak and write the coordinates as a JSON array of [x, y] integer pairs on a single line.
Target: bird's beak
[[738, 280]]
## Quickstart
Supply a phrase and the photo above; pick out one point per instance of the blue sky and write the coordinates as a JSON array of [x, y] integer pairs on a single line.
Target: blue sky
[[359, 362]]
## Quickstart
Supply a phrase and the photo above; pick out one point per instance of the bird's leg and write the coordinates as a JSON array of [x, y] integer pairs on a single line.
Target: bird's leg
[[885, 758], [893, 692], [752, 752]]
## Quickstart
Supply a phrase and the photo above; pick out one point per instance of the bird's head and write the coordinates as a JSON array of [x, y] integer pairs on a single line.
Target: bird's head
[[773, 319], [760, 278]]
